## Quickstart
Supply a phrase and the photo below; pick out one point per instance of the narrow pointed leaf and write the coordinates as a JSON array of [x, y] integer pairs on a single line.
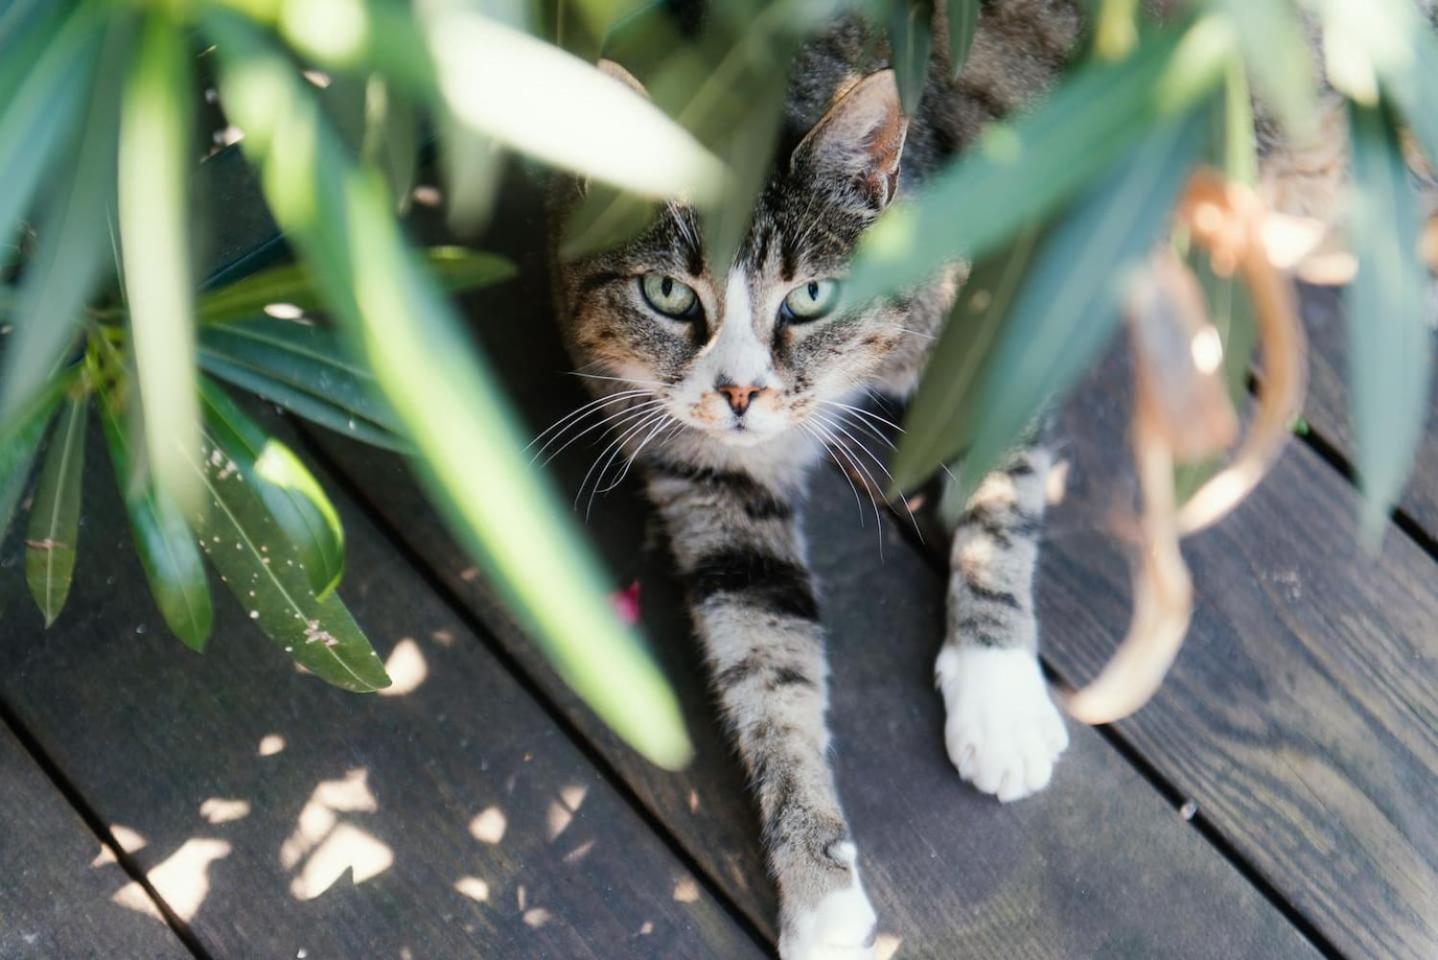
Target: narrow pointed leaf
[[937, 427], [303, 403], [455, 270], [18, 442], [1275, 47], [55, 514], [45, 111], [155, 162], [1020, 173], [308, 358], [167, 547], [963, 24], [391, 138], [73, 255], [910, 39], [1390, 346], [340, 220], [293, 496], [1069, 305], [257, 562]]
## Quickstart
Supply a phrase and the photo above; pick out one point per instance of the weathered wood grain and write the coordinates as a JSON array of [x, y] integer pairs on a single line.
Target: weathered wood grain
[[471, 824], [1302, 715], [61, 893], [1327, 409]]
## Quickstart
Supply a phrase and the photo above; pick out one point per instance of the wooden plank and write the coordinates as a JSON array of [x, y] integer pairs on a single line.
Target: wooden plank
[[1302, 715], [951, 872], [470, 824], [1327, 408], [63, 894]]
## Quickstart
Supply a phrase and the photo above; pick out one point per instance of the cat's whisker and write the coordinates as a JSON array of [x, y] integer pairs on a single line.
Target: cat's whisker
[[864, 424], [613, 419], [664, 424], [617, 448], [863, 413], [824, 445], [597, 376], [870, 483], [839, 424], [580, 412]]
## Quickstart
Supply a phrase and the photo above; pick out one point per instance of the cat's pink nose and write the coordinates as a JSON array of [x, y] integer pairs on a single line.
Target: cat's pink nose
[[739, 397]]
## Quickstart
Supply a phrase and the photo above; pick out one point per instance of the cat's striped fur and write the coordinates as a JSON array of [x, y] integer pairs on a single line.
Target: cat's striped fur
[[728, 477]]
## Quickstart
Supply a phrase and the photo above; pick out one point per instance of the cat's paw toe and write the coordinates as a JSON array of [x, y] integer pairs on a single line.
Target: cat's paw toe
[[841, 926], [1003, 731]]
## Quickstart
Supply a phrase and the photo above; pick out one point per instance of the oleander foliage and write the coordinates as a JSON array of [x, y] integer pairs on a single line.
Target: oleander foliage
[[104, 317]]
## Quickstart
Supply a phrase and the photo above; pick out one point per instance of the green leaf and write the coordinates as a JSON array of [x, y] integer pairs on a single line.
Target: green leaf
[[339, 218], [455, 269], [73, 255], [937, 425], [154, 173], [302, 403], [306, 358], [1409, 75], [391, 138], [1064, 313], [1240, 149], [45, 111], [294, 497], [266, 574], [19, 439], [910, 39], [1390, 347], [1274, 44], [1018, 174], [167, 547], [963, 24], [55, 515], [592, 124]]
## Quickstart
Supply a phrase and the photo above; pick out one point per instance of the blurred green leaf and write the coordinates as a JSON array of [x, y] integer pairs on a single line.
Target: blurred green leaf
[[448, 400], [1240, 151], [267, 575], [938, 419], [1274, 44], [1017, 174], [72, 256], [963, 24], [1066, 309], [295, 500], [1115, 29], [455, 269], [55, 515], [165, 543], [910, 39], [154, 174], [18, 442], [391, 138], [1390, 346], [594, 125], [1405, 53], [42, 117]]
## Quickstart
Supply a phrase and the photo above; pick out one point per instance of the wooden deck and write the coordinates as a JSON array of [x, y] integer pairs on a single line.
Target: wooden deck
[[1276, 800]]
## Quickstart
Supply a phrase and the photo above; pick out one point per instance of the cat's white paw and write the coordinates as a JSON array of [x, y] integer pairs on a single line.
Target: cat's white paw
[[841, 926], [1003, 731]]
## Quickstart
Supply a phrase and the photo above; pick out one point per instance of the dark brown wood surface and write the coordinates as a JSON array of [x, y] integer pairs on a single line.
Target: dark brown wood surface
[[1302, 714], [1327, 408], [468, 822], [61, 893]]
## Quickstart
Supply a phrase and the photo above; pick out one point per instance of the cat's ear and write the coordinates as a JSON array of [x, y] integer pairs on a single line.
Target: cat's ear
[[611, 69], [860, 140]]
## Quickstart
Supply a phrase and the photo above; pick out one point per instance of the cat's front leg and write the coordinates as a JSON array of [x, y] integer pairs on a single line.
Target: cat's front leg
[[1003, 731], [753, 603]]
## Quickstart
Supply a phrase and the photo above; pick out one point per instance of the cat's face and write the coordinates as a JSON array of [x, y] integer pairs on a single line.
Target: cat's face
[[752, 351]]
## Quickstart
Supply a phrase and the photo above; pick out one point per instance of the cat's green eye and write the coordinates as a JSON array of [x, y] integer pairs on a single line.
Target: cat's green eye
[[669, 296], [810, 301]]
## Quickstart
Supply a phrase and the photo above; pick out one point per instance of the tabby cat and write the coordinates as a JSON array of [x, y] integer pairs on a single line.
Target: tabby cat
[[726, 388]]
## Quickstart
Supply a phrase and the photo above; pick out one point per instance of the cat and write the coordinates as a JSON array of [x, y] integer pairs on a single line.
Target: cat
[[726, 389]]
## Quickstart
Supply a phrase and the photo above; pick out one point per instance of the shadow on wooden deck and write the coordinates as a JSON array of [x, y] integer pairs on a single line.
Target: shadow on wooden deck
[[483, 811]]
